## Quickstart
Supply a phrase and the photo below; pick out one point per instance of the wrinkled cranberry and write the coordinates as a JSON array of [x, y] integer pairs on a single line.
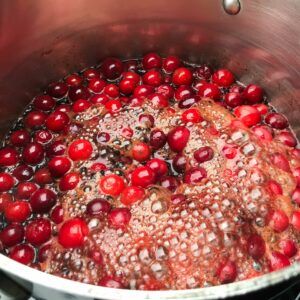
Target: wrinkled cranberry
[[23, 254], [178, 138], [119, 217], [43, 136], [194, 175], [42, 200], [20, 138], [12, 235], [204, 72], [38, 231]]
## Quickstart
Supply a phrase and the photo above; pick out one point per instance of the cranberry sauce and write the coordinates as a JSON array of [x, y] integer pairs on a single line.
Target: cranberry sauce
[[151, 174]]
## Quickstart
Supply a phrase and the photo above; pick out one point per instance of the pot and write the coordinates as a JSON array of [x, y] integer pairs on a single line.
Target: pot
[[42, 41]]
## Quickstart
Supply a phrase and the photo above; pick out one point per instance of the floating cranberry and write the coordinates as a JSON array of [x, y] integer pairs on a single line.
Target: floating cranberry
[[119, 217], [223, 77], [43, 253], [112, 185], [209, 90], [256, 246], [23, 254], [57, 148], [38, 231], [295, 220], [57, 214], [6, 182], [65, 108], [99, 99], [8, 157], [72, 233], [91, 73], [113, 106], [171, 63], [33, 153], [262, 108], [131, 195], [43, 177], [59, 165], [111, 282], [296, 174], [146, 120], [227, 272], [80, 150], [43, 136], [203, 154], [278, 261], [96, 167], [73, 80], [187, 103], [141, 151], [253, 94], [276, 120], [20, 138], [23, 172], [136, 101], [165, 90], [247, 114], [179, 163], [191, 115], [152, 78], [178, 199], [183, 92], [112, 90], [69, 181], [170, 183], [288, 248], [157, 139], [229, 151], [194, 175], [57, 89], [25, 190], [287, 138], [12, 235], [112, 68], [4, 199], [274, 187], [143, 90], [151, 61], [279, 221], [81, 105], [57, 121], [44, 102], [233, 99], [42, 200], [182, 76], [143, 176], [159, 167], [97, 207], [281, 162], [79, 92], [203, 72], [96, 85], [296, 196], [17, 211], [265, 133], [96, 256], [132, 76], [127, 86], [178, 138], [158, 100]]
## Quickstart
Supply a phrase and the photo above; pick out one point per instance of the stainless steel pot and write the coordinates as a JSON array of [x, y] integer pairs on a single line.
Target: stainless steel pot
[[41, 41]]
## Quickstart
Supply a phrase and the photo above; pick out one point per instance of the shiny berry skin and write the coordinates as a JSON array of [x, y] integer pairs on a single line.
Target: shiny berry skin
[[57, 89], [209, 90], [227, 272], [42, 200], [96, 85], [191, 115], [141, 151], [278, 261], [119, 217], [143, 90], [274, 188], [111, 90], [178, 138], [153, 78], [80, 150], [127, 86], [278, 221], [79, 92], [69, 181], [287, 138], [276, 120], [6, 182], [233, 100], [57, 214], [111, 282], [20, 138], [73, 80], [112, 68], [159, 167], [296, 196], [178, 199], [131, 76], [99, 99], [223, 77], [91, 73], [179, 163], [288, 248], [23, 172], [23, 254], [170, 183], [247, 114], [38, 231], [131, 195], [8, 157], [98, 207], [43, 177], [182, 76], [295, 220], [12, 235], [183, 92], [113, 106], [256, 246], [59, 165], [17, 211], [189, 102], [204, 72], [112, 185], [57, 148], [194, 175], [253, 94], [146, 120], [158, 100], [72, 233], [33, 153], [203, 154], [157, 139], [57, 121], [65, 108], [143, 176], [80, 105], [43, 136], [25, 190], [171, 63], [262, 108], [44, 102], [265, 133], [165, 90], [151, 61]]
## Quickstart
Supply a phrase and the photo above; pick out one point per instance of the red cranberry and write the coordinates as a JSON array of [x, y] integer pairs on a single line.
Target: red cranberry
[[143, 90], [25, 190], [8, 157], [65, 108], [6, 182], [38, 231], [97, 257], [158, 100], [43, 177], [280, 161], [253, 94], [132, 76], [127, 86], [295, 220], [79, 92], [178, 138], [236, 89], [143, 176], [288, 248], [295, 153], [183, 92], [56, 148], [229, 151], [227, 272], [96, 167], [90, 74], [159, 167], [209, 90], [233, 99], [4, 199], [43, 253], [278, 261], [141, 151], [256, 246], [182, 76], [119, 217], [23, 172], [169, 182], [247, 114], [112, 68], [23, 254], [132, 194], [274, 187], [57, 89], [178, 199], [73, 80], [187, 103], [171, 63], [279, 221], [151, 61], [57, 121], [43, 136], [12, 235], [157, 139], [80, 150], [136, 101], [296, 174], [112, 90], [97, 207], [33, 153], [146, 120], [20, 138], [191, 115], [112, 185], [69, 181], [179, 163], [166, 90], [287, 138], [80, 105], [44, 102], [113, 106], [58, 166], [194, 175], [276, 120], [296, 196], [263, 132], [111, 282], [262, 108], [42, 200], [153, 78], [17, 211], [223, 77], [57, 214], [198, 84], [72, 233], [203, 154], [99, 99], [204, 72]]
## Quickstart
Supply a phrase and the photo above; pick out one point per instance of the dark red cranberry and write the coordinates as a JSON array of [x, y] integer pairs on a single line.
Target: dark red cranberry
[[143, 176], [248, 115], [81, 105], [170, 183], [97, 207], [278, 261], [99, 99], [256, 246], [209, 90], [146, 120], [288, 248], [194, 175], [57, 148], [159, 167], [131, 65], [183, 92], [43, 253], [296, 196], [236, 89], [119, 217], [8, 157], [38, 231], [191, 115], [43, 177], [57, 214], [263, 132], [127, 86], [281, 162], [111, 282], [79, 92], [143, 90], [233, 99], [43, 136], [182, 76], [204, 72], [178, 199], [33, 153], [57, 89], [253, 94], [112, 90], [165, 90], [17, 211], [278, 221], [198, 84], [35, 119], [287, 138], [171, 63], [158, 100], [112, 68], [157, 138], [69, 181], [57, 121], [227, 272], [295, 220], [73, 80], [153, 78], [59, 165], [44, 102], [90, 74], [178, 138], [23, 254], [42, 200], [187, 103], [203, 154], [65, 108], [23, 172], [25, 190], [276, 120], [4, 199], [12, 235], [179, 163], [20, 138], [80, 150], [151, 61], [223, 77], [141, 151], [6, 182], [113, 106]]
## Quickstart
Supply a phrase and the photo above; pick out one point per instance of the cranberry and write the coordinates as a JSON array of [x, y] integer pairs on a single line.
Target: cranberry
[[96, 167], [204, 72], [38, 231], [178, 199], [80, 150], [280, 161], [132, 76], [73, 80], [171, 63], [23, 172], [158, 166], [296, 174], [178, 138], [153, 78], [81, 105], [112, 68], [33, 153], [287, 138], [43, 136], [265, 133], [198, 84], [97, 257], [119, 217], [295, 220], [79, 92], [17, 211], [229, 151], [99, 99], [179, 163], [279, 221], [57, 89], [141, 151], [187, 103], [158, 100], [136, 101], [288, 247], [182, 76], [253, 94], [42, 200], [295, 153], [146, 120], [131, 195], [20, 138], [113, 106], [223, 77], [143, 176], [274, 187], [102, 137], [209, 90], [44, 102], [12, 235], [278, 261], [25, 190], [112, 185], [4, 199], [111, 282], [233, 99], [169, 182], [203, 154], [236, 89], [127, 86], [247, 114], [227, 272], [296, 196], [57, 121], [58, 166], [276, 120], [56, 148], [183, 92], [69, 181], [194, 175], [91, 73], [143, 90], [262, 108], [97, 207], [8, 157], [72, 233], [65, 108], [191, 115], [43, 177], [112, 90], [23, 254], [157, 139], [151, 61], [165, 90], [6, 182], [43, 253], [131, 65], [256, 246]]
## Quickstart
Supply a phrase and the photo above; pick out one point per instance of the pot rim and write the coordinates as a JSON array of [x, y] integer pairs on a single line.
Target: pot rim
[[87, 290]]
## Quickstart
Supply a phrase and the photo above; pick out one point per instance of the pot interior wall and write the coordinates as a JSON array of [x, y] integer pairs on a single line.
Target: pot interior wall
[[42, 41]]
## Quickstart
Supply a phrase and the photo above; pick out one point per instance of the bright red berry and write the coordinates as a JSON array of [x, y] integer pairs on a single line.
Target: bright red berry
[[112, 185], [80, 150]]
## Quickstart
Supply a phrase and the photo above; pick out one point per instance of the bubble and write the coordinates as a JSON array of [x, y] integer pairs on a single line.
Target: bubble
[[159, 206], [144, 256]]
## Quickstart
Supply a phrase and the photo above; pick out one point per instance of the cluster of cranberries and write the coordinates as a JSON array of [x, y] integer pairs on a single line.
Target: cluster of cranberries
[[41, 157]]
